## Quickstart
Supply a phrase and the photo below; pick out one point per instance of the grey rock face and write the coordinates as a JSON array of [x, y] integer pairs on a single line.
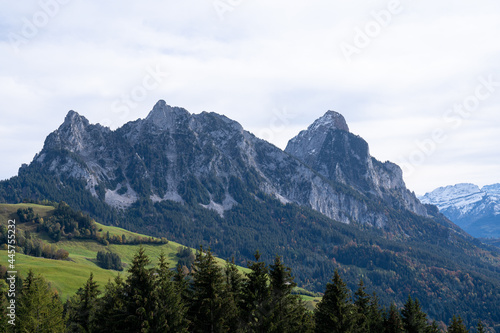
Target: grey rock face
[[329, 148], [191, 158]]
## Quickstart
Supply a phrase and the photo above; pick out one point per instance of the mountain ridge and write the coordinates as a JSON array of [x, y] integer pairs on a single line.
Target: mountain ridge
[[475, 209], [201, 179], [204, 130]]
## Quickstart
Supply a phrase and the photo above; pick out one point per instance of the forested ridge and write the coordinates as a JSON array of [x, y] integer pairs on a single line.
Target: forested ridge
[[448, 273], [211, 298]]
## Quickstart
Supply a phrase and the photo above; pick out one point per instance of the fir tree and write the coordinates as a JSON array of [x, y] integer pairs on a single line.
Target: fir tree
[[3, 304], [288, 313], [39, 308], [234, 286], [480, 327], [140, 300], [457, 326], [393, 322], [111, 308], [181, 283], [209, 305], [414, 320], [82, 308], [433, 328], [171, 310], [255, 297], [375, 315], [362, 304], [335, 312]]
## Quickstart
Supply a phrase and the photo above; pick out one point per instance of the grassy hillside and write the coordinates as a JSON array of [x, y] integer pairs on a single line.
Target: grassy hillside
[[69, 275]]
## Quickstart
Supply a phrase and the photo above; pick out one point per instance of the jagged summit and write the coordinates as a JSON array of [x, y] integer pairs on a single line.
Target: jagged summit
[[165, 116], [74, 118], [313, 137], [330, 120]]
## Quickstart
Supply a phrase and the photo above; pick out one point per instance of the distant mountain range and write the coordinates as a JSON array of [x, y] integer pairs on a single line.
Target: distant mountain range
[[324, 203], [476, 210]]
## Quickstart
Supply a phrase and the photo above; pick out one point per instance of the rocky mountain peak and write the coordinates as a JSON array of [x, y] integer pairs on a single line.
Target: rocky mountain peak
[[330, 120], [74, 120], [165, 116]]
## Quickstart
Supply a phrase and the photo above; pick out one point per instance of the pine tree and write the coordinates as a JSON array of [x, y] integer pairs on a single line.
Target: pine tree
[[171, 310], [457, 326], [234, 287], [255, 297], [335, 312], [433, 328], [82, 308], [39, 308], [181, 283], [414, 320], [3, 306], [288, 313], [480, 327], [111, 308], [362, 303], [140, 300], [393, 322], [375, 315], [209, 304]]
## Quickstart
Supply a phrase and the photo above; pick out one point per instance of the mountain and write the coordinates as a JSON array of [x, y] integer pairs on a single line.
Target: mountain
[[170, 152], [324, 203], [474, 209]]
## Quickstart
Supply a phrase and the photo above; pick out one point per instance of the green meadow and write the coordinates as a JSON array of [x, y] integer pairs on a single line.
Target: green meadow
[[68, 275]]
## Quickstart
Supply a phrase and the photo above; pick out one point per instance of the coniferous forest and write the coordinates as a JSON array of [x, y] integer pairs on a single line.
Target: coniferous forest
[[210, 298]]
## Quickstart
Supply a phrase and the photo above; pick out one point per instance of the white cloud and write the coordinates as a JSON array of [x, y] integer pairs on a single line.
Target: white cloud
[[262, 57]]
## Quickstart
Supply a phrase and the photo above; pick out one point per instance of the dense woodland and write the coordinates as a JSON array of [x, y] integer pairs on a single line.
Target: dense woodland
[[210, 298], [448, 273], [109, 260]]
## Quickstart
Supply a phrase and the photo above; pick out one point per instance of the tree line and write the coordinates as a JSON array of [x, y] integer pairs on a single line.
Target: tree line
[[210, 298], [32, 246]]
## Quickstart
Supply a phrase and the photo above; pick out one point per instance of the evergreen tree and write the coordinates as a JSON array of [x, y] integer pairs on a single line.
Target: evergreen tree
[[234, 285], [182, 284], [171, 310], [140, 300], [414, 320], [82, 309], [480, 327], [335, 312], [362, 303], [393, 322], [457, 326], [3, 306], [39, 309], [375, 315], [255, 297], [433, 328], [288, 313], [111, 308], [209, 304]]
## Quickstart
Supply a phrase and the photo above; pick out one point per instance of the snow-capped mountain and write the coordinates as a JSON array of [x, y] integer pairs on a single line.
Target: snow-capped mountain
[[474, 209]]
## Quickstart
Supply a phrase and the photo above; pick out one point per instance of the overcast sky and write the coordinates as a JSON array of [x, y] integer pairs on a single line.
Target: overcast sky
[[418, 80]]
